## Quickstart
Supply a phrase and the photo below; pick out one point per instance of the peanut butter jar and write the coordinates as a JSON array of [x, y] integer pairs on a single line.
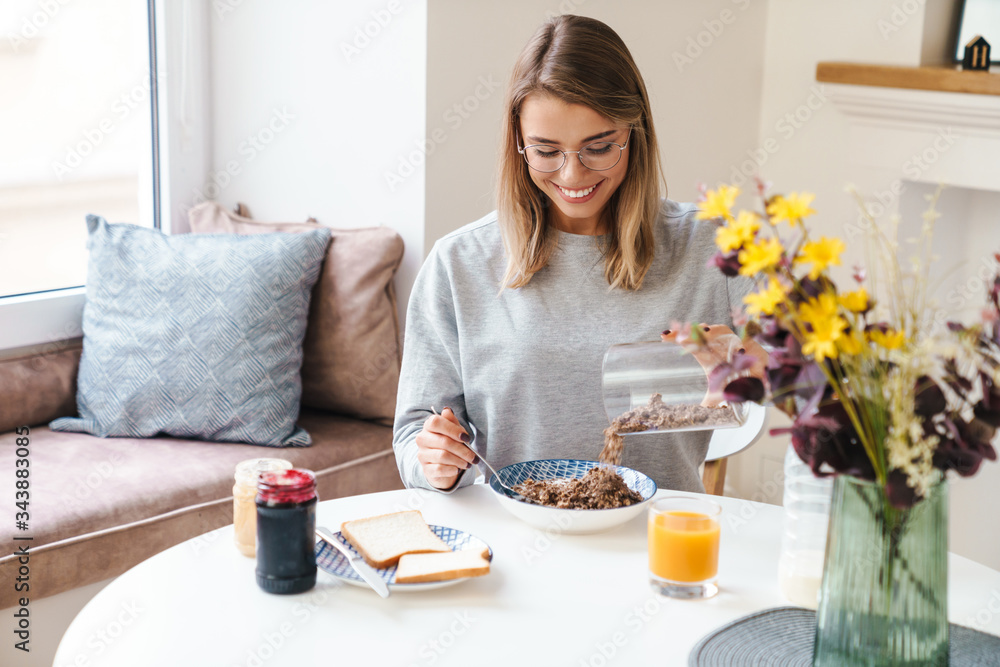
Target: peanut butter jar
[[244, 507]]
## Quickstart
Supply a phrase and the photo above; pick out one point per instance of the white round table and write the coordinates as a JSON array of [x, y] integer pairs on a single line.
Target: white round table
[[551, 599]]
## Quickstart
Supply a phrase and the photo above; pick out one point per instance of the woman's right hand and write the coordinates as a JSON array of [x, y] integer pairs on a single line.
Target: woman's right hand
[[440, 450]]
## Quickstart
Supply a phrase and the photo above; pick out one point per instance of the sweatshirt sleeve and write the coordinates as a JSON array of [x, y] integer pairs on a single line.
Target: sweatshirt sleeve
[[431, 373]]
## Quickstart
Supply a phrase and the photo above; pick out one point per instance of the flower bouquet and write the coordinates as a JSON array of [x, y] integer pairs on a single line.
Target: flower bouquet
[[878, 397]]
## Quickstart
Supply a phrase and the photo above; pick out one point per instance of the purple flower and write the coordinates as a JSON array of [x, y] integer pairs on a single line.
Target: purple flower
[[827, 437], [727, 377], [772, 333], [728, 263], [964, 445], [988, 409], [958, 383], [810, 288], [928, 398], [744, 389]]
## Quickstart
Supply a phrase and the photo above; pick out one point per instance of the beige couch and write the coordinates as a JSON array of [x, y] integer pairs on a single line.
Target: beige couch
[[98, 506]]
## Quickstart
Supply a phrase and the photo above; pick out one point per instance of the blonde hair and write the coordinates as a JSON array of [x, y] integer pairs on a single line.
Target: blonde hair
[[580, 60]]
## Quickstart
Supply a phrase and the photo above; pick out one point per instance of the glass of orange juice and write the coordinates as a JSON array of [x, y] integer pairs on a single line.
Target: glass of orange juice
[[684, 547]]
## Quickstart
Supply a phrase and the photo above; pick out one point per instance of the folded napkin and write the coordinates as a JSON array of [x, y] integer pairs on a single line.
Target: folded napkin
[[784, 637]]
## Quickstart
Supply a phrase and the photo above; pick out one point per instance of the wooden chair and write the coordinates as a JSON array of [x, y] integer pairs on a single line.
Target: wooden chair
[[728, 441]]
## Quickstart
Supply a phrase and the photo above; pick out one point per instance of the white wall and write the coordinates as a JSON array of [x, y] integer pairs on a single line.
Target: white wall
[[706, 108], [345, 83]]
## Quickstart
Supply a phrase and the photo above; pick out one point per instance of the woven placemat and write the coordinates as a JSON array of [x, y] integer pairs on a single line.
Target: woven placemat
[[784, 636]]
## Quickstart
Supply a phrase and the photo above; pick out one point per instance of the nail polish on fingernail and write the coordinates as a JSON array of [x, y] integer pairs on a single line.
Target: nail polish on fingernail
[[468, 465], [666, 332], [476, 460], [465, 438]]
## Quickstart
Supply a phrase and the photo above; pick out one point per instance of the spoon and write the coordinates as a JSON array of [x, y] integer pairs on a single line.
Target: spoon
[[508, 491]]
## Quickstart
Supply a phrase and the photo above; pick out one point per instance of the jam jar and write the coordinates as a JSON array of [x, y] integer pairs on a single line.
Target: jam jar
[[286, 527]]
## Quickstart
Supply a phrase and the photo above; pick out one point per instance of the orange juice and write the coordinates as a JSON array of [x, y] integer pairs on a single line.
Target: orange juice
[[683, 546]]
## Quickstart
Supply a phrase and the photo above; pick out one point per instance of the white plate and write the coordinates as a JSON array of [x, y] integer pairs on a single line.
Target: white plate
[[333, 562]]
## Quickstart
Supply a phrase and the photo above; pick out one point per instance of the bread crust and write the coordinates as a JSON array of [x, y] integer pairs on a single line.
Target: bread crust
[[476, 566]]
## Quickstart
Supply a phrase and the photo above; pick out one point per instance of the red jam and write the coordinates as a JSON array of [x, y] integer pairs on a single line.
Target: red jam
[[280, 487]]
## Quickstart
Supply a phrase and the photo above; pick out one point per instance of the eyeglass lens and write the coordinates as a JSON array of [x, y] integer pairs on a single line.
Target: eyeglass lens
[[598, 156]]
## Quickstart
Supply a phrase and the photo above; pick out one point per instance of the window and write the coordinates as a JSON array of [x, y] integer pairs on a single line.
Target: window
[[77, 135]]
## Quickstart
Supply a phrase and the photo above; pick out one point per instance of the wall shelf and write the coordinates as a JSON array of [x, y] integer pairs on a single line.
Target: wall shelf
[[942, 79]]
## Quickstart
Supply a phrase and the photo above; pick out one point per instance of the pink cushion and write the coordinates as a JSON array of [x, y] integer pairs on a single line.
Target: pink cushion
[[351, 353], [39, 385]]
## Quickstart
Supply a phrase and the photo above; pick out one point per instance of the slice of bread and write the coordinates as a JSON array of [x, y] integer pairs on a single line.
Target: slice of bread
[[382, 539], [421, 568]]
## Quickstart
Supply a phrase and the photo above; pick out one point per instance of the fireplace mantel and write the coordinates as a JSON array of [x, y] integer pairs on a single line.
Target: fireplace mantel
[[941, 79], [923, 136]]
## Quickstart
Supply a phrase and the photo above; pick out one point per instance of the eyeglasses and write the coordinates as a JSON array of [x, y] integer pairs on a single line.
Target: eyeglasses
[[598, 156]]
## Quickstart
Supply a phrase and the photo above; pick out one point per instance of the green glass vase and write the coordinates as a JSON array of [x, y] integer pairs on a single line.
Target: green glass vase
[[884, 597]]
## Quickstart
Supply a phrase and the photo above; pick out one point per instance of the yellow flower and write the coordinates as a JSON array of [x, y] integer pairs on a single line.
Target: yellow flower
[[822, 313], [890, 340], [820, 309], [764, 302], [792, 208], [850, 343], [761, 256], [821, 342], [856, 301], [738, 232], [718, 203], [821, 254]]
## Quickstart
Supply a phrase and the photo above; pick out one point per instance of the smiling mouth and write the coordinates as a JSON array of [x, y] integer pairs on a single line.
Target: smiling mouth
[[577, 194]]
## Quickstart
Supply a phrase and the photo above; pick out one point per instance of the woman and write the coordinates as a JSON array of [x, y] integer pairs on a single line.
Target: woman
[[585, 254]]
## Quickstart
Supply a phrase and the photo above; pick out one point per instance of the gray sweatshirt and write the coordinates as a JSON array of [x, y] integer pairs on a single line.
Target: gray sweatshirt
[[522, 369]]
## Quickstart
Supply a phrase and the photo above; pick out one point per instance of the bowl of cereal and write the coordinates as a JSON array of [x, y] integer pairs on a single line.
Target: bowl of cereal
[[573, 496]]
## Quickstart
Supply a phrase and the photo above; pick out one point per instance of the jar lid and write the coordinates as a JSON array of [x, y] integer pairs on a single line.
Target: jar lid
[[248, 471]]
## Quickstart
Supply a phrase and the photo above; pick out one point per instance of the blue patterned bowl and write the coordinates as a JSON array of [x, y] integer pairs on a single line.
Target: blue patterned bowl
[[570, 522]]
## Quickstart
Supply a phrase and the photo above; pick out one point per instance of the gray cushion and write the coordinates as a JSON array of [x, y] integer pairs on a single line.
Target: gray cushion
[[196, 336]]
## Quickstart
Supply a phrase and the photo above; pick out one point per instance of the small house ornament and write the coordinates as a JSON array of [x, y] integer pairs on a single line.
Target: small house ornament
[[977, 54]]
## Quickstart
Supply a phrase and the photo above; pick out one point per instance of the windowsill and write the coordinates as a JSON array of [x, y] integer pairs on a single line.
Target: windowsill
[[942, 79], [43, 295], [46, 317]]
